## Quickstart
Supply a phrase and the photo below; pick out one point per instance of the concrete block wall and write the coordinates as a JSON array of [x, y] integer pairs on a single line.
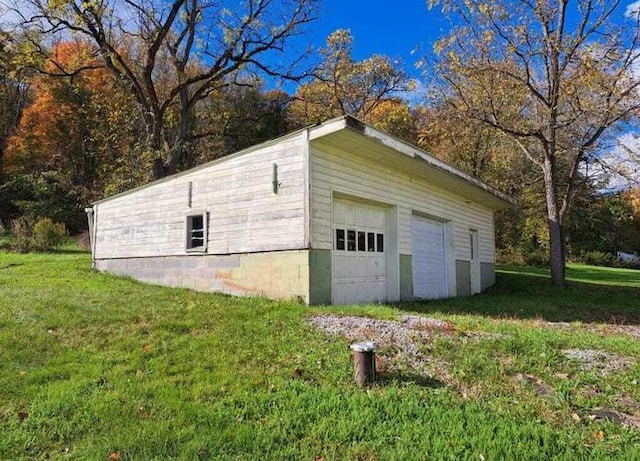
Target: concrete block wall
[[276, 274]]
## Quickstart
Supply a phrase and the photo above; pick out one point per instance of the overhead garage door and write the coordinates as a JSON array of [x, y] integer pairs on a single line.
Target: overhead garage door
[[359, 249], [428, 258]]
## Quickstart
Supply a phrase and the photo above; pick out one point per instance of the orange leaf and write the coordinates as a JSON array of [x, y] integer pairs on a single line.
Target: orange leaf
[[115, 456]]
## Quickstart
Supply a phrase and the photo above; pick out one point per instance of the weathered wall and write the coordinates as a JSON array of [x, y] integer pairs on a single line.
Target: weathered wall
[[244, 213], [334, 170], [276, 274]]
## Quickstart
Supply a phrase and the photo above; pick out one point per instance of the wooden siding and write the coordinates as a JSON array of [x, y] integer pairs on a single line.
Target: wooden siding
[[245, 215], [335, 170]]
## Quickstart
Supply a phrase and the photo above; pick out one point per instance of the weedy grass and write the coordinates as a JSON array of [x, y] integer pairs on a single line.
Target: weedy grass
[[98, 367]]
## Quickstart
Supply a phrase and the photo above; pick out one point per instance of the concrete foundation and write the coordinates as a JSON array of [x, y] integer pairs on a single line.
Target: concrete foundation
[[406, 278], [463, 278], [487, 275], [295, 274], [276, 274], [320, 277]]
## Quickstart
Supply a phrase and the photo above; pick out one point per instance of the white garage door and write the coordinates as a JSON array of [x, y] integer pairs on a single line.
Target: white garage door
[[359, 248], [428, 258]]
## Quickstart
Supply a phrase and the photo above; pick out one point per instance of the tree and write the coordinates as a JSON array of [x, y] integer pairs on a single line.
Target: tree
[[172, 55], [569, 70], [64, 129], [366, 89], [14, 89], [242, 116], [477, 149], [70, 141]]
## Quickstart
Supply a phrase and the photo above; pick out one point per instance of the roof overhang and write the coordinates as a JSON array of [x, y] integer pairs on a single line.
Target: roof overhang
[[357, 138]]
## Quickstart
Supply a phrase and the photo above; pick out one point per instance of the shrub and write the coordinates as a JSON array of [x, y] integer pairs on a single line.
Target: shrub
[[42, 234], [48, 235], [511, 257], [537, 258], [22, 231], [597, 258]]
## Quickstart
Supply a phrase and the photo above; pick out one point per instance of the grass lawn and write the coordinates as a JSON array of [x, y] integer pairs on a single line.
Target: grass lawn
[[98, 367]]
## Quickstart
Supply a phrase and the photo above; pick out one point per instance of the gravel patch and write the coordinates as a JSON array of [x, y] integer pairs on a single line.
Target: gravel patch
[[598, 328], [600, 362], [399, 343]]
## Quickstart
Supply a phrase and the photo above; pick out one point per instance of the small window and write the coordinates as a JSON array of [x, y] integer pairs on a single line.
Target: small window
[[339, 239], [380, 239], [371, 241], [351, 240], [197, 232], [362, 241]]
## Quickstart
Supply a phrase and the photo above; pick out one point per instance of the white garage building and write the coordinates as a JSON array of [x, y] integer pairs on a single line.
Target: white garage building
[[335, 213]]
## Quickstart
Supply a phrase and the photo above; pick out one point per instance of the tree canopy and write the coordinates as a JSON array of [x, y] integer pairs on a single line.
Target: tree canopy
[[172, 55]]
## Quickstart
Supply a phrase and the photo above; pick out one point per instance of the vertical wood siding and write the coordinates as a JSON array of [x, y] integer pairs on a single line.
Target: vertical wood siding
[[245, 215]]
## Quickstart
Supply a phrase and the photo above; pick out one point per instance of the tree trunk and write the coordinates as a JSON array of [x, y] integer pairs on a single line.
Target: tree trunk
[[556, 234]]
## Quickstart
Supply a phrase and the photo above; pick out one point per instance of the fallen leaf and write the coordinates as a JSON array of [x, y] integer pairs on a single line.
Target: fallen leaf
[[146, 347], [115, 456], [599, 435], [576, 417]]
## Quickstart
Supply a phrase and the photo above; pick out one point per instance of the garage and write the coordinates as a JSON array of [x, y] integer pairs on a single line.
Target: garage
[[428, 258], [359, 252]]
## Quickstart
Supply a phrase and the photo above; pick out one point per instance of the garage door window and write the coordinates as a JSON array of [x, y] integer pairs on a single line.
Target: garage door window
[[354, 240], [340, 239]]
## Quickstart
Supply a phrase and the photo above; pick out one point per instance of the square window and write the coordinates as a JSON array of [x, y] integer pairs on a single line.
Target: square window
[[351, 240], [362, 241], [197, 232], [339, 239], [380, 239]]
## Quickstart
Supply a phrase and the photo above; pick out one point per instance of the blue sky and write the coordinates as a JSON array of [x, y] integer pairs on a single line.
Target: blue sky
[[393, 28]]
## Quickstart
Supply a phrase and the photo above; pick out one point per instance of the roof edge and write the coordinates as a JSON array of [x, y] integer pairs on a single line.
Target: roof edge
[[360, 127]]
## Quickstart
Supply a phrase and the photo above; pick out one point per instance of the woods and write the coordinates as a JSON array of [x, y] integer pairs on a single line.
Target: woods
[[533, 98]]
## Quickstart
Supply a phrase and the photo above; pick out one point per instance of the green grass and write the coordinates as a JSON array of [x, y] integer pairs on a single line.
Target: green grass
[[93, 365]]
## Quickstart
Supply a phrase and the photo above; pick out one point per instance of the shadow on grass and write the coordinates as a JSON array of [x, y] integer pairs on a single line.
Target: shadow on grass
[[70, 251], [395, 378], [530, 295]]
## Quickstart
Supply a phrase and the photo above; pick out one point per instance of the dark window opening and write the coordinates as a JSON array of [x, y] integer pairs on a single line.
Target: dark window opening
[[362, 241], [380, 238], [371, 241], [339, 239], [351, 240], [195, 232]]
